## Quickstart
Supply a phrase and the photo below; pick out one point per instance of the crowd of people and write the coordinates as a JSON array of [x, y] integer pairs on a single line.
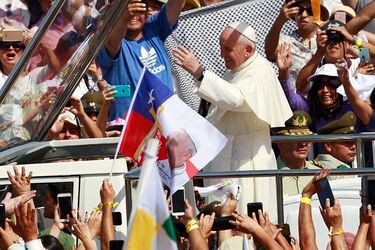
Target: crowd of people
[[324, 85]]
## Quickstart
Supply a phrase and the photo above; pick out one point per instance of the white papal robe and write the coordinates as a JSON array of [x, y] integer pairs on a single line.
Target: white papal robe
[[245, 103]]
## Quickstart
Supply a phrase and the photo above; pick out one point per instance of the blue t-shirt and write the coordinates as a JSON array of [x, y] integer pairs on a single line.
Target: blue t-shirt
[[125, 68]]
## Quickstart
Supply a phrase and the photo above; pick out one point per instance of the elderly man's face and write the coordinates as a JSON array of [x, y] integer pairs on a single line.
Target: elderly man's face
[[178, 152], [233, 51]]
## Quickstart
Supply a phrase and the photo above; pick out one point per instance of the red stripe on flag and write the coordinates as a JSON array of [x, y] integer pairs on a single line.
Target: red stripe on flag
[[191, 170], [135, 134]]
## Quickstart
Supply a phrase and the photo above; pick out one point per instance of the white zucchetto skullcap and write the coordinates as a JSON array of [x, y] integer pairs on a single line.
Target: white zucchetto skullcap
[[245, 29]]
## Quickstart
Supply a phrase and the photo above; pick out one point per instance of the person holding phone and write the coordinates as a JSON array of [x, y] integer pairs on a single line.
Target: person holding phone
[[303, 39], [137, 41]]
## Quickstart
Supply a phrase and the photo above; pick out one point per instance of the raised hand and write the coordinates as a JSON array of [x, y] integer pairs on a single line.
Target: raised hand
[[309, 190], [287, 11], [186, 59], [205, 224], [107, 193], [332, 215], [10, 202], [245, 224], [20, 181], [27, 226]]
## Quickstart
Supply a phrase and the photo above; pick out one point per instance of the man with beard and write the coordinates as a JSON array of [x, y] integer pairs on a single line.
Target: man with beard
[[302, 41], [136, 42]]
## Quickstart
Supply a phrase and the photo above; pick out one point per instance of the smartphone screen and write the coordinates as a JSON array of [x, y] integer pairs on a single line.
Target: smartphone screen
[[364, 54], [116, 218], [253, 208], [2, 215], [371, 193], [116, 244], [324, 192], [285, 231], [65, 206], [178, 202]]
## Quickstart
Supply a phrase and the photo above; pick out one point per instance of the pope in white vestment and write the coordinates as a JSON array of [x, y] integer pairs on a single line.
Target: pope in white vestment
[[246, 102]]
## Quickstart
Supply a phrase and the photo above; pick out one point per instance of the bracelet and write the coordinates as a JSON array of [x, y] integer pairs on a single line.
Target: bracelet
[[306, 200], [338, 232], [191, 225], [101, 205], [358, 43]]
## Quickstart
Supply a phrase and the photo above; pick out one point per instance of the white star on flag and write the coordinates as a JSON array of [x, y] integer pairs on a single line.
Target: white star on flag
[[151, 98]]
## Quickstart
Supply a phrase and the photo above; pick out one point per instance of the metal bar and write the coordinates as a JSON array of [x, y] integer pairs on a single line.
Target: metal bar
[[271, 173], [319, 138], [360, 153], [280, 199], [29, 50], [90, 48], [128, 198]]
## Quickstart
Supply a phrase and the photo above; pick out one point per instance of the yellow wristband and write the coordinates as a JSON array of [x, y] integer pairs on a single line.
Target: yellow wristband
[[338, 232], [358, 43], [191, 225], [306, 200], [109, 203]]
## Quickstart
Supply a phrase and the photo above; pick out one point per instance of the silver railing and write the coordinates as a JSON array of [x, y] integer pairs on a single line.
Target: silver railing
[[278, 174]]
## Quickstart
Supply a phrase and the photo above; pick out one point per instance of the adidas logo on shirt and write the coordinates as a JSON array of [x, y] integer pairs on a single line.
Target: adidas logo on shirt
[[149, 58]]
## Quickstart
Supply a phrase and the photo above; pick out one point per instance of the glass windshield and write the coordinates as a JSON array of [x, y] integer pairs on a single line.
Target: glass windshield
[[49, 76]]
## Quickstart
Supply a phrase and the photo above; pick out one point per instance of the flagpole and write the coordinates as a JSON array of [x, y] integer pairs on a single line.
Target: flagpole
[[127, 119]]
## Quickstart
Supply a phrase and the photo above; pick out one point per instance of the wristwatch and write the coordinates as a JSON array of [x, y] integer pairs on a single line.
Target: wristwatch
[[202, 75]]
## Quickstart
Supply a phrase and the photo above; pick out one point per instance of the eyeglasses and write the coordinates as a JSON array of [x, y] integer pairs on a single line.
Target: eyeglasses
[[302, 9], [17, 46]]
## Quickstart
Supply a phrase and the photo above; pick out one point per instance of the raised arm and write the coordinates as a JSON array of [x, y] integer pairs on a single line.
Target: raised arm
[[333, 218], [366, 216], [272, 38], [306, 229], [283, 59], [362, 19], [113, 43], [174, 9], [361, 108], [312, 65]]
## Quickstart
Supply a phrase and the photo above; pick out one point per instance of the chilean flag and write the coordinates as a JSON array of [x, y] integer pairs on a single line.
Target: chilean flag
[[188, 142]]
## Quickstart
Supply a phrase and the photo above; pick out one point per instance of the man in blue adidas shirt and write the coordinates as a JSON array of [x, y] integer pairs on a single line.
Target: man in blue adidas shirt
[[122, 59]]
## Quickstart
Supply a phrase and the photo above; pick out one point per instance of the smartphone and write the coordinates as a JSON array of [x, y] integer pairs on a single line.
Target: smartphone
[[116, 244], [2, 215], [253, 207], [122, 91], [178, 202], [364, 54], [324, 192], [116, 218], [222, 223], [12, 35], [285, 231], [65, 206], [340, 16], [368, 191]]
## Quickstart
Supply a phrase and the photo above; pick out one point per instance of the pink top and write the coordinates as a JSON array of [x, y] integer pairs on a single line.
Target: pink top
[[59, 27]]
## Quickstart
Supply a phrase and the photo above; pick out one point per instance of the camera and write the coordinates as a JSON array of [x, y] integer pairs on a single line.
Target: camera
[[334, 36]]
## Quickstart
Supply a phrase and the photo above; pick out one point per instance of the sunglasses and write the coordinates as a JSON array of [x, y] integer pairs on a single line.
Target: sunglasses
[[15, 45], [307, 9]]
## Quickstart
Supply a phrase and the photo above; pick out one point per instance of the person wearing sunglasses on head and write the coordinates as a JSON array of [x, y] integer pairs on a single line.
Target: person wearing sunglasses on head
[[10, 51], [302, 40]]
